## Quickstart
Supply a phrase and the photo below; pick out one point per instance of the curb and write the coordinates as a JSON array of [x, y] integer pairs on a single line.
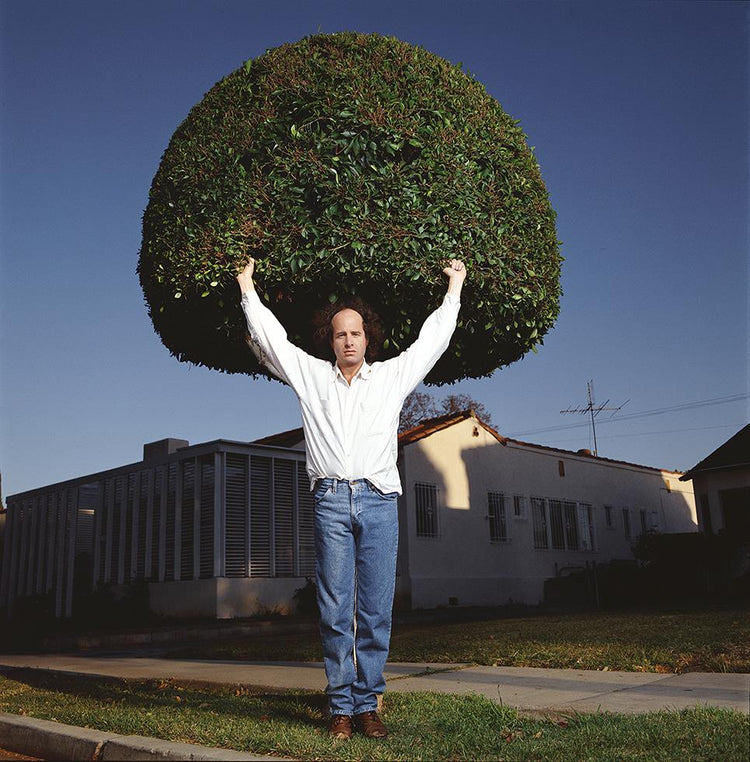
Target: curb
[[53, 740]]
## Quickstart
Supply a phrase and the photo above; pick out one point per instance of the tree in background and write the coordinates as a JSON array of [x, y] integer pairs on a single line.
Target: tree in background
[[421, 406], [350, 163]]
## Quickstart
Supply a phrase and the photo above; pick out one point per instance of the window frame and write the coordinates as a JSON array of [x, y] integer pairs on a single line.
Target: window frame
[[427, 521], [497, 516]]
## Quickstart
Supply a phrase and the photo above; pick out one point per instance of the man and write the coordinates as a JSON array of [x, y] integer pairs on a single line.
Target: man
[[350, 412]]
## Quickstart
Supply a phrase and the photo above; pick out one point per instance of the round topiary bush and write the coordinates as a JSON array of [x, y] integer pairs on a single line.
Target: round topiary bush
[[350, 163]]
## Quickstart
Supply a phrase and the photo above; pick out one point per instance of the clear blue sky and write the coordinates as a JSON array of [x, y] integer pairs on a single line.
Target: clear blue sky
[[639, 115]]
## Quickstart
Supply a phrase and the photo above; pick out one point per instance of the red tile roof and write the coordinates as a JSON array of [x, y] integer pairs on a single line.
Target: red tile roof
[[433, 425]]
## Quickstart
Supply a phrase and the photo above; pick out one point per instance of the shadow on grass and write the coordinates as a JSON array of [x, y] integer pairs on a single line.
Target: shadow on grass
[[424, 725], [298, 706]]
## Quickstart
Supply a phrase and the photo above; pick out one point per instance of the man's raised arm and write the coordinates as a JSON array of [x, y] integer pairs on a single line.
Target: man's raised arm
[[245, 278], [456, 273], [268, 338], [435, 334]]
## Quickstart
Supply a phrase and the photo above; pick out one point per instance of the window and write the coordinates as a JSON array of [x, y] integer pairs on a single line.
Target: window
[[496, 515], [556, 524], [571, 526], [519, 507], [626, 522], [539, 519], [426, 501], [654, 521], [644, 521], [608, 522], [649, 521], [563, 524], [561, 467], [586, 525]]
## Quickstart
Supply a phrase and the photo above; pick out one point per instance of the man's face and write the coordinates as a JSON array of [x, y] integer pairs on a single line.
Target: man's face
[[349, 341]]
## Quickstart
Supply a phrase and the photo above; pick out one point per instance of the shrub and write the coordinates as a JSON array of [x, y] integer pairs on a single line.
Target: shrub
[[350, 163], [306, 599], [30, 619]]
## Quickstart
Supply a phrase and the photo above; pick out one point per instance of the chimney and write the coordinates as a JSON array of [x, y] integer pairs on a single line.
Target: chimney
[[162, 448]]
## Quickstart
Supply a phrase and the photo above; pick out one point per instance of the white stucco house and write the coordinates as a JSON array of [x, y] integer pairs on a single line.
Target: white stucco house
[[486, 519], [224, 529]]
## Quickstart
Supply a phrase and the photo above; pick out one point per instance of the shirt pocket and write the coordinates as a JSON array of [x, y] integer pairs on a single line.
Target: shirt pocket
[[372, 418]]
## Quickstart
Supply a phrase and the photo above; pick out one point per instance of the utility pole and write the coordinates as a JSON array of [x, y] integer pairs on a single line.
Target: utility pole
[[593, 410]]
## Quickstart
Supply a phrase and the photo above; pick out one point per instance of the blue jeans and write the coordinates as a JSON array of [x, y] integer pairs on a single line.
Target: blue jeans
[[356, 541]]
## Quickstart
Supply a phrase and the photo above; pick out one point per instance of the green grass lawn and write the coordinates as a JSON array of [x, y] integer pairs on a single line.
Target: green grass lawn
[[712, 641], [423, 726], [430, 726]]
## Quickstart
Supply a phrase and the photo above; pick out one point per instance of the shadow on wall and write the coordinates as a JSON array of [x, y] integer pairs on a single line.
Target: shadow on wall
[[675, 504], [458, 553], [510, 516], [418, 518]]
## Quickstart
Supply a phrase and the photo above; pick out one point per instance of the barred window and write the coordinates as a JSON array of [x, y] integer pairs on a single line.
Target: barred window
[[654, 519], [496, 515], [608, 521], [539, 519], [626, 522], [568, 525], [556, 524], [426, 502], [586, 524], [571, 526]]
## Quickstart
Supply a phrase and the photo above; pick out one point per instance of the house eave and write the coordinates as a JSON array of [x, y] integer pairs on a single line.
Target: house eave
[[693, 472]]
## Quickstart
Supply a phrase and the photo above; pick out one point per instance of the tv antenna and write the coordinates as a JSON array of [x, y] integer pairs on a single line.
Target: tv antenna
[[593, 410]]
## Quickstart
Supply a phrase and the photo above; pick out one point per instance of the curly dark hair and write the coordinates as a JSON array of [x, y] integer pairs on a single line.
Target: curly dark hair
[[323, 331]]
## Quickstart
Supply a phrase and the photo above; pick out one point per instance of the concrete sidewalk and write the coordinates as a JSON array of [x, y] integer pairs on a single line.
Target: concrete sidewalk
[[525, 688]]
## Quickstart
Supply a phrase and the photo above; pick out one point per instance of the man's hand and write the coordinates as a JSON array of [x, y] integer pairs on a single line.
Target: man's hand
[[245, 278], [456, 273]]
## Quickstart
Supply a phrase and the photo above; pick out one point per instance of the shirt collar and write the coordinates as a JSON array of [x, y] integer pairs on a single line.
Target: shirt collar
[[365, 371]]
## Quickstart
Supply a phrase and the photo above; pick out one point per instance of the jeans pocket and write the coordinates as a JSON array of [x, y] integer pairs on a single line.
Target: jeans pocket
[[322, 488]]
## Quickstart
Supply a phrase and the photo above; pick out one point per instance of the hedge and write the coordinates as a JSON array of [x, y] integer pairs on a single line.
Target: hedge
[[350, 163]]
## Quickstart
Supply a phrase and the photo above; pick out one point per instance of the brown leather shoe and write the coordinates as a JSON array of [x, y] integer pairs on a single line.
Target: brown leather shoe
[[340, 726], [370, 724]]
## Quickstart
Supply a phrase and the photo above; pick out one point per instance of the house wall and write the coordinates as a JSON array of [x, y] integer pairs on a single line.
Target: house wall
[[224, 598], [212, 516], [463, 566], [225, 529]]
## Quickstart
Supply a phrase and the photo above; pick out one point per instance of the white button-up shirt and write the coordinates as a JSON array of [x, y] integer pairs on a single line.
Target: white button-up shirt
[[350, 429]]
